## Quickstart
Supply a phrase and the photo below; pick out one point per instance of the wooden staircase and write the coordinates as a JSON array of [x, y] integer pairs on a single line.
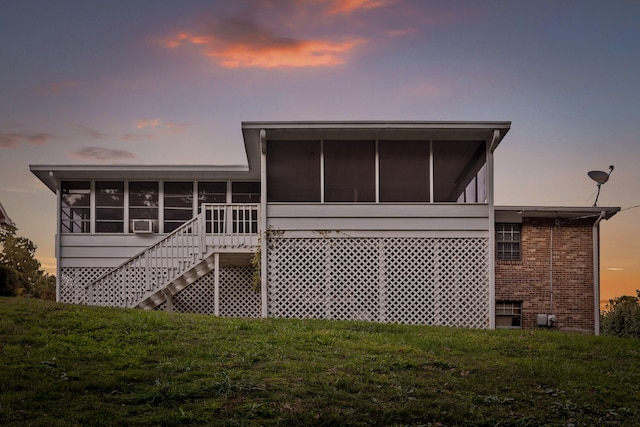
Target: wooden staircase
[[159, 272]]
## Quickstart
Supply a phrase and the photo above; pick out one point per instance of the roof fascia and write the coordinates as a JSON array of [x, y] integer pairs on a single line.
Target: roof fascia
[[50, 175], [560, 211]]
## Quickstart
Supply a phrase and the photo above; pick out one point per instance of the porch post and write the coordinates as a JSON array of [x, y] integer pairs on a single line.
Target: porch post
[[216, 284], [263, 223]]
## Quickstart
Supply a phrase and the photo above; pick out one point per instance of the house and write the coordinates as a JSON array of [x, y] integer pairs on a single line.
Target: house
[[4, 218], [377, 221]]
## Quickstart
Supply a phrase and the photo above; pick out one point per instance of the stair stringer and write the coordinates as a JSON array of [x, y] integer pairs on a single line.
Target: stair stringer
[[153, 299]]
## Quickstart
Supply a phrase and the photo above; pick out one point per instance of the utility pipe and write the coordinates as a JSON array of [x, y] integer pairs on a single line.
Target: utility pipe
[[551, 269], [596, 272]]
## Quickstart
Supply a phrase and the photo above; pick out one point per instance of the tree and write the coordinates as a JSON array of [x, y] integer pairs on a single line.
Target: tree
[[623, 317], [21, 273]]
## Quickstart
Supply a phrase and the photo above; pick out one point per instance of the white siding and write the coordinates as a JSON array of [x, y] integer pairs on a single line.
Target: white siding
[[381, 220], [90, 250]]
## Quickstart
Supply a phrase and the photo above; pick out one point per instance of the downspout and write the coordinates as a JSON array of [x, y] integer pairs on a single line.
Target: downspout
[[596, 273], [551, 269], [492, 227], [57, 240], [263, 222]]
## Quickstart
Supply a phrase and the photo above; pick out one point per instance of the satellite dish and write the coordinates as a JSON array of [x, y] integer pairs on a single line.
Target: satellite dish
[[600, 178]]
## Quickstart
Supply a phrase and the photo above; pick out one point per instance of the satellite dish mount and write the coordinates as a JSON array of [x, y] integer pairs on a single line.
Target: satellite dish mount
[[600, 178]]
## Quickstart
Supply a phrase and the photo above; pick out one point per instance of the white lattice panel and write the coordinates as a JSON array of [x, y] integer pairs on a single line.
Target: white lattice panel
[[72, 281], [405, 280], [410, 276], [354, 282], [297, 277], [237, 297]]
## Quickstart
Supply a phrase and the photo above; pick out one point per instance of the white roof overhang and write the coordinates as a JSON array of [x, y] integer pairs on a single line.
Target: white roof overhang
[[385, 130], [510, 213], [51, 175]]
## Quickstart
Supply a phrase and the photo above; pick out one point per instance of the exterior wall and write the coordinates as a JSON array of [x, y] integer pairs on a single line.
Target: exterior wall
[[101, 250], [433, 281], [401, 263], [380, 220], [565, 287], [236, 297]]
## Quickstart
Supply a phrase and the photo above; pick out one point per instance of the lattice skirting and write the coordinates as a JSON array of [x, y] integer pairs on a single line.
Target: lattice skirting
[[237, 298], [435, 281]]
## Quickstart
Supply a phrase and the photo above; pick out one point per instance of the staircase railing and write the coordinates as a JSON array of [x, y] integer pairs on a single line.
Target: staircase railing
[[217, 227]]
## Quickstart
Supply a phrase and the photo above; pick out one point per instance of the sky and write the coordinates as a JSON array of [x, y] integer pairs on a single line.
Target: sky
[[166, 82]]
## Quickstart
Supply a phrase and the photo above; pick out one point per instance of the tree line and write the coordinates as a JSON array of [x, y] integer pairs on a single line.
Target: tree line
[[623, 317], [20, 272]]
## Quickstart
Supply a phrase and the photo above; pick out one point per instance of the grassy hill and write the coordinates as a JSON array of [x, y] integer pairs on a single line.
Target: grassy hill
[[73, 365]]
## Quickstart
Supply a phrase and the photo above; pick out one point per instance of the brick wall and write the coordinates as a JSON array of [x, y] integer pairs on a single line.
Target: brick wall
[[528, 280]]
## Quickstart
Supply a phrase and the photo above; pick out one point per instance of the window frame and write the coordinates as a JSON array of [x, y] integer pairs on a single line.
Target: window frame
[[132, 209], [514, 244], [83, 222], [508, 309], [99, 207]]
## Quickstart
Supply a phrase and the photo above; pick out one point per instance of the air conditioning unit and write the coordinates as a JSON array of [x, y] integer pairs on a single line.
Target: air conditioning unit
[[142, 226], [545, 319]]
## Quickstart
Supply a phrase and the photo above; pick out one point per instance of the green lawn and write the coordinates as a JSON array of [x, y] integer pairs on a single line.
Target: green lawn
[[73, 365]]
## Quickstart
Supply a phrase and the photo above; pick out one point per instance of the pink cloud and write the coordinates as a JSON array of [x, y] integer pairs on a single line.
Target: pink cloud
[[147, 123], [159, 125], [348, 6], [102, 154], [176, 127], [235, 43], [12, 140]]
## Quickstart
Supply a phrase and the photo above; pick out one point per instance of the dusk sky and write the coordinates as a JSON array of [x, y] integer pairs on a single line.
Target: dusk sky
[[167, 82]]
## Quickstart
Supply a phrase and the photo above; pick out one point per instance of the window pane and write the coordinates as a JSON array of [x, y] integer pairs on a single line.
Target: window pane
[[143, 193], [109, 207], [508, 239], [178, 214], [245, 192], [178, 204], [109, 227], [75, 212], [508, 314], [113, 214], [293, 171], [456, 164], [349, 171], [404, 171], [211, 192], [143, 202]]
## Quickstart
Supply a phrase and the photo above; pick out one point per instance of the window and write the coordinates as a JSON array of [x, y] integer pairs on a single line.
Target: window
[[508, 314], [245, 220], [349, 171], [75, 207], [213, 193], [293, 171], [245, 192], [404, 171], [459, 172], [143, 202], [508, 239], [109, 207], [178, 204]]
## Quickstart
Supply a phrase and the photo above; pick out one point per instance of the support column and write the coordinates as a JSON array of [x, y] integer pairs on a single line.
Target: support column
[[263, 223], [216, 284]]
